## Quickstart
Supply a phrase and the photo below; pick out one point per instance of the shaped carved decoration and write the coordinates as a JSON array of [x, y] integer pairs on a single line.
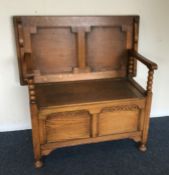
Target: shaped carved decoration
[[121, 108]]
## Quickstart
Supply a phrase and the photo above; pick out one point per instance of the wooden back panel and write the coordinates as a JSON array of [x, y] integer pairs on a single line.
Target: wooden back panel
[[62, 48]]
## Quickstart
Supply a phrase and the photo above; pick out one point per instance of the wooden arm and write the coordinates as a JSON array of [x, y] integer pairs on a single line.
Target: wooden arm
[[150, 64]]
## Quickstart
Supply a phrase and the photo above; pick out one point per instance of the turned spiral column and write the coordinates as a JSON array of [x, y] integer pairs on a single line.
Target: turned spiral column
[[31, 87], [130, 66], [150, 81], [143, 147]]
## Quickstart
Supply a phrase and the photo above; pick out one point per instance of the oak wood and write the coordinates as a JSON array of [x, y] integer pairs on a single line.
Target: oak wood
[[85, 91], [48, 148], [80, 74], [68, 126], [81, 48], [51, 42], [94, 125], [150, 64], [79, 71], [109, 122]]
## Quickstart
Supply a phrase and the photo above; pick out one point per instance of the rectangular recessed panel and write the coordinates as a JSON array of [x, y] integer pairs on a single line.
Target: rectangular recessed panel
[[68, 126], [54, 50], [106, 49], [118, 122]]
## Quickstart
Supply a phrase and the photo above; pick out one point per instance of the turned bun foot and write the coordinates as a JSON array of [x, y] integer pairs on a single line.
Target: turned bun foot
[[38, 164], [142, 147]]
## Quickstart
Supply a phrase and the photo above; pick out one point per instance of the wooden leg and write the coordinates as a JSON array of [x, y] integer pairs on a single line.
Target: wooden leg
[[142, 147], [38, 164], [35, 136]]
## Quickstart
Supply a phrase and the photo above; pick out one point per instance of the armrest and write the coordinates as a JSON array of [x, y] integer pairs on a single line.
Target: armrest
[[150, 64]]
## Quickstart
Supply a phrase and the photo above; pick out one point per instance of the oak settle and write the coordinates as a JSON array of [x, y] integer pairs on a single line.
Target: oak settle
[[79, 71]]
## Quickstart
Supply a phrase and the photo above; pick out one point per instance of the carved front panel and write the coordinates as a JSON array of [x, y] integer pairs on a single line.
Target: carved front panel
[[119, 119], [67, 126]]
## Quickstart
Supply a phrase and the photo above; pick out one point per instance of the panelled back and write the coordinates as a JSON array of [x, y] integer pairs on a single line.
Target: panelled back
[[75, 47]]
